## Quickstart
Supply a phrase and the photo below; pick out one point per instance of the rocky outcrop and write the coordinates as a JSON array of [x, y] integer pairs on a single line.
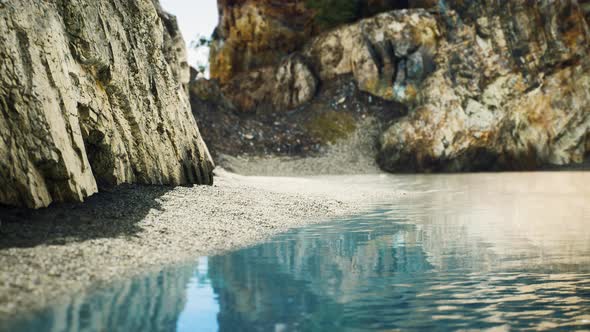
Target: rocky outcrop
[[388, 55], [393, 49], [174, 47], [488, 85], [511, 91], [258, 33], [283, 87], [91, 96], [252, 34]]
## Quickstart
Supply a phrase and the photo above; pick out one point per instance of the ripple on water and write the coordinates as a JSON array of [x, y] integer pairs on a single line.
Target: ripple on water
[[462, 252]]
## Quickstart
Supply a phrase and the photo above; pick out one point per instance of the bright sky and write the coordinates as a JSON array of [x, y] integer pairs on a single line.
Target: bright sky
[[195, 18]]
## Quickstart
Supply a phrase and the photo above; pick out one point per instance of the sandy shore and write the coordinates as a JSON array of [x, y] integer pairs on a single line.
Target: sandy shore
[[68, 248]]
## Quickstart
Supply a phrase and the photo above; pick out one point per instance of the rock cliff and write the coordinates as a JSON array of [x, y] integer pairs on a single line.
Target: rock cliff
[[256, 33], [510, 91], [481, 85], [91, 94], [375, 51]]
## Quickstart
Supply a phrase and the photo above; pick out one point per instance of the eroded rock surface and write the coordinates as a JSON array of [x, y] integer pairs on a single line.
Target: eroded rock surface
[[511, 91], [285, 86], [488, 85], [258, 33], [91, 94], [252, 34], [388, 56]]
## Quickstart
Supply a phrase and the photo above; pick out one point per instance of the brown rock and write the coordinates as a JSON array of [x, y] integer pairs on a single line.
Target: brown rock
[[253, 34], [273, 88], [389, 55], [259, 33], [510, 92], [489, 85]]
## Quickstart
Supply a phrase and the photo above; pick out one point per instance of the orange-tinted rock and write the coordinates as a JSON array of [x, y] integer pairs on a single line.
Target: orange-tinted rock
[[489, 85], [510, 92], [252, 34], [388, 55], [257, 33]]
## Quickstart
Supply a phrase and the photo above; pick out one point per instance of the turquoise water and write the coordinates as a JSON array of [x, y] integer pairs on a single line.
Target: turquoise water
[[501, 252]]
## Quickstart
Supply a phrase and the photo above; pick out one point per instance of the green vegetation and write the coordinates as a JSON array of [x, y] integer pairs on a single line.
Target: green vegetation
[[331, 126], [331, 13]]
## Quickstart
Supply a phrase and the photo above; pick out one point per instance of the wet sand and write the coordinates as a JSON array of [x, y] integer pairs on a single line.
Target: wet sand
[[69, 248]]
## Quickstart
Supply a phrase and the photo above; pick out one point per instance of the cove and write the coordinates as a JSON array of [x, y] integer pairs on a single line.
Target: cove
[[455, 253]]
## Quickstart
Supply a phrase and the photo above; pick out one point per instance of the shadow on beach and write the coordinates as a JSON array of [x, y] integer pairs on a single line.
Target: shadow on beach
[[108, 214]]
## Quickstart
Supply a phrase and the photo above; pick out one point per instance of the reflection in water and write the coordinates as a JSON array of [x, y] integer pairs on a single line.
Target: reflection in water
[[457, 252], [305, 278], [151, 303], [374, 273]]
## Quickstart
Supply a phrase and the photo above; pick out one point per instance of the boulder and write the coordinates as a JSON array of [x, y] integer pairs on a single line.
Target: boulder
[[389, 55], [487, 85], [510, 91], [258, 33]]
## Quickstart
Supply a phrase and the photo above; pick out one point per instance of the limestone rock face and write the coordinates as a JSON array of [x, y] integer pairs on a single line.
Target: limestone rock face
[[482, 85], [511, 91], [92, 95], [174, 47]]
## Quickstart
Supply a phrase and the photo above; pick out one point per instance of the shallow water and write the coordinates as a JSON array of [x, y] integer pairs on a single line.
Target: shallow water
[[454, 252]]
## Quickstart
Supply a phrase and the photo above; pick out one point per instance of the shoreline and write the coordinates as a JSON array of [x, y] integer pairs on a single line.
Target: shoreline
[[69, 249], [66, 249]]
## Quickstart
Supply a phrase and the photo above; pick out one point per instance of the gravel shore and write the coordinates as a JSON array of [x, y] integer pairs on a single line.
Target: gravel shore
[[69, 248]]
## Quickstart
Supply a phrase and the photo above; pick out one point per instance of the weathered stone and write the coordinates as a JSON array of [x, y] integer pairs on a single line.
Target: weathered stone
[[510, 91], [91, 95], [273, 88], [174, 47], [206, 96], [259, 33], [392, 53], [389, 55], [473, 75], [253, 34]]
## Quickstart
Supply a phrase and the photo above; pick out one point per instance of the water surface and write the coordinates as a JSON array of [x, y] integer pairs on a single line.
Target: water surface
[[455, 252]]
